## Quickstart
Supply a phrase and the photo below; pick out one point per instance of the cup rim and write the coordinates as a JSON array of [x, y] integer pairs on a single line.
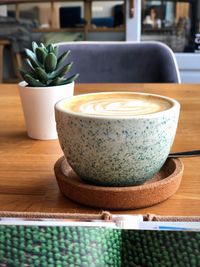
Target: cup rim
[[175, 104]]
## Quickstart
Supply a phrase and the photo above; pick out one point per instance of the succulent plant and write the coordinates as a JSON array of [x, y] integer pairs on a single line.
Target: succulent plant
[[43, 66]]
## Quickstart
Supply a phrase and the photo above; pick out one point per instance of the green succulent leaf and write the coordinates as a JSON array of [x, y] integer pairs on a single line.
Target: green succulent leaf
[[55, 50], [43, 47], [32, 81], [50, 62], [43, 67], [41, 74], [23, 73], [34, 46], [62, 81], [62, 58], [50, 48], [28, 63], [72, 78], [29, 67], [32, 57], [57, 81], [60, 72], [41, 54]]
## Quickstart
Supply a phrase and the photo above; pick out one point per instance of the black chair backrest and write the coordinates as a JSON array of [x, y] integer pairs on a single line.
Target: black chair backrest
[[124, 62]]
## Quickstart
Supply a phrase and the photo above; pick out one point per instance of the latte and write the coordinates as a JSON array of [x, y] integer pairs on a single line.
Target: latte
[[114, 104]]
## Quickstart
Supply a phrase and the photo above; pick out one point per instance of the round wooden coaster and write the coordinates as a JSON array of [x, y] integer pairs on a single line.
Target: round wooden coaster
[[163, 185]]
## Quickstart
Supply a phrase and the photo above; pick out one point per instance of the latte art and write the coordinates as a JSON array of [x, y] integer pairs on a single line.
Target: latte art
[[116, 104], [119, 107]]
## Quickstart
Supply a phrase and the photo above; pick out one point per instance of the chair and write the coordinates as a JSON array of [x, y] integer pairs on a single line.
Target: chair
[[122, 62]]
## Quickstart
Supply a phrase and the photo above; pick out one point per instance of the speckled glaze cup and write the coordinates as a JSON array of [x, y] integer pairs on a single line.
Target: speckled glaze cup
[[117, 149]]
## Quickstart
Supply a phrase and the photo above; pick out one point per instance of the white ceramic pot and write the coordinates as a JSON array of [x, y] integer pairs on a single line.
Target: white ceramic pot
[[38, 107]]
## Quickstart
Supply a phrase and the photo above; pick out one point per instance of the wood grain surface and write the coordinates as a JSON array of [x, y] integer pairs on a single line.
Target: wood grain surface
[[27, 180]]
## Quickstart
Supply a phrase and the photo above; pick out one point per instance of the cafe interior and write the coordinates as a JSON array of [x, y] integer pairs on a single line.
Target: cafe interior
[[100, 133]]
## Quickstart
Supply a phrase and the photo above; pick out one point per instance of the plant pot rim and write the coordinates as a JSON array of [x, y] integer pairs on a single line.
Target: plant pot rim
[[24, 84]]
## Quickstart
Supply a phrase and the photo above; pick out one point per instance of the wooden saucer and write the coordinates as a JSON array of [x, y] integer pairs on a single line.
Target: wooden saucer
[[163, 185]]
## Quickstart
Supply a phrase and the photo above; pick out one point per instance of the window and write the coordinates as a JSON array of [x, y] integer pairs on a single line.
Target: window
[[174, 23]]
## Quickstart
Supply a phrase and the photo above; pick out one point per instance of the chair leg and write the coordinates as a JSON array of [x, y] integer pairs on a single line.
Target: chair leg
[[3, 43], [1, 62], [16, 58]]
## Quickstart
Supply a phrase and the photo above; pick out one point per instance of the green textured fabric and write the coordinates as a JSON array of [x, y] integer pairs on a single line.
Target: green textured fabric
[[96, 247]]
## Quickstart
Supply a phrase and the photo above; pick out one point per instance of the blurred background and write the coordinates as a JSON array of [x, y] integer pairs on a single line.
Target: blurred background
[[175, 23]]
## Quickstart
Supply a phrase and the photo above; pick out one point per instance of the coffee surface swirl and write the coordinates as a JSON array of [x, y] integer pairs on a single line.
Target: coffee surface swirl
[[117, 104]]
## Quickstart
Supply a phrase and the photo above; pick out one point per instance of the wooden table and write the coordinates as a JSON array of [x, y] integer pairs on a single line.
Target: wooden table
[[27, 180]]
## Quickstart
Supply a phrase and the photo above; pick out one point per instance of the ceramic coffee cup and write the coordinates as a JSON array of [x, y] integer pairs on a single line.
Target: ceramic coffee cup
[[116, 138]]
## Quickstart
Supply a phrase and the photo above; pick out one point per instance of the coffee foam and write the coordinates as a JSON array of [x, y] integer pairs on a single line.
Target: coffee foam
[[117, 104]]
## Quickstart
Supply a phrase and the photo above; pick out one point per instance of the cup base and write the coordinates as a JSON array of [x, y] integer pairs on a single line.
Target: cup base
[[107, 184]]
